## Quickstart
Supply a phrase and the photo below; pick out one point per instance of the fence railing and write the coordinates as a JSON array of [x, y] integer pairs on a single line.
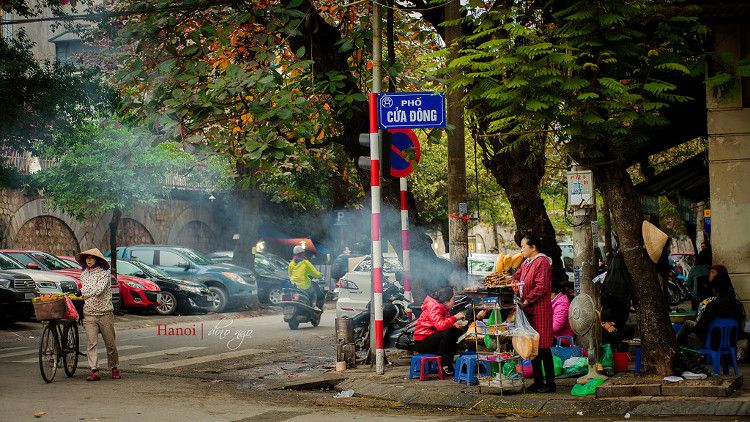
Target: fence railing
[[26, 163]]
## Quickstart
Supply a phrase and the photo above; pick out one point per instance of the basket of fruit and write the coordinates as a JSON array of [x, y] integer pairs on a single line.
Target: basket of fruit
[[49, 306]]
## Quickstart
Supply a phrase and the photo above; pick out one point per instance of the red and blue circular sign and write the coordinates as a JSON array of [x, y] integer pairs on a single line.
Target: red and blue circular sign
[[405, 152]]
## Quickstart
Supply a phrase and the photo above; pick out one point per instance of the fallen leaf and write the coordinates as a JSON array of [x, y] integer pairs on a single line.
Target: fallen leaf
[[39, 413]]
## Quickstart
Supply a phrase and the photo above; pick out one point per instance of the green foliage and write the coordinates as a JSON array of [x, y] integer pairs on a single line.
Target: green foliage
[[111, 168], [40, 99], [598, 72]]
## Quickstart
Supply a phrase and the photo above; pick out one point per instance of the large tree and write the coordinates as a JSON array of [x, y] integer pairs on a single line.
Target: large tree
[[110, 171], [604, 78]]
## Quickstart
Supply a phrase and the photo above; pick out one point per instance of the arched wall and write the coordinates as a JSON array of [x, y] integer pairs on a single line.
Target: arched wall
[[39, 208]]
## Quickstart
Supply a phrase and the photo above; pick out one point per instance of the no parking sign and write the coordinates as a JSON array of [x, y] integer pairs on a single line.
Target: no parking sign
[[405, 150]]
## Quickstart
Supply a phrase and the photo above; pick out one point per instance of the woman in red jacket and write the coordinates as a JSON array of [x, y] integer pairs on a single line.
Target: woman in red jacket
[[535, 276], [437, 331]]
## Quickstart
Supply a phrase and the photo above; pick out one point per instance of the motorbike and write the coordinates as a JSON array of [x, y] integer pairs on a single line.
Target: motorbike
[[677, 290], [398, 329], [395, 320], [298, 308]]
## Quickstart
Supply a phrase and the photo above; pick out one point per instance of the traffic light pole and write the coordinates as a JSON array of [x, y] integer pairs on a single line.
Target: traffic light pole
[[376, 317]]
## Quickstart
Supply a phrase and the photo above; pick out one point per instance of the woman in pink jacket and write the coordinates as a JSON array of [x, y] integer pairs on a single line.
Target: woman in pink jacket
[[437, 331], [560, 306]]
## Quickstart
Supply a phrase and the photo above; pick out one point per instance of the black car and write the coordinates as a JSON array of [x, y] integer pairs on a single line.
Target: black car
[[176, 295], [271, 271], [16, 292]]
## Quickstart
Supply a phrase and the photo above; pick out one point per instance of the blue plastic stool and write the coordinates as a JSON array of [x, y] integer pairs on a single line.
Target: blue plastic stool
[[466, 369], [726, 327], [422, 365]]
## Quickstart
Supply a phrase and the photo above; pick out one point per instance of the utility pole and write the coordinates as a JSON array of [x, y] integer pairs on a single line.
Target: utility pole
[[457, 205], [583, 205], [376, 316]]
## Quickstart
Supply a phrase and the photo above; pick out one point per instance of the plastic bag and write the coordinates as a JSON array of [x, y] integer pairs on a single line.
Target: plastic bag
[[509, 369], [557, 363], [607, 361], [525, 337], [70, 309], [490, 341], [580, 390]]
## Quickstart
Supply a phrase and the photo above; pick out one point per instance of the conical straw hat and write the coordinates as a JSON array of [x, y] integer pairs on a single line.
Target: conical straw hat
[[96, 253], [654, 240]]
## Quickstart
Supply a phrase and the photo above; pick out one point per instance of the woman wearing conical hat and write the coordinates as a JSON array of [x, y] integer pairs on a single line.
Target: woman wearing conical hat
[[98, 311]]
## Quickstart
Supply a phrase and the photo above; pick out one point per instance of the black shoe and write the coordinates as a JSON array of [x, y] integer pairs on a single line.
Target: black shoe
[[447, 370], [549, 388], [533, 388]]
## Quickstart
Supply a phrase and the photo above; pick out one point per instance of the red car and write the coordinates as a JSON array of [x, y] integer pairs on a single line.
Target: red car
[[136, 292]]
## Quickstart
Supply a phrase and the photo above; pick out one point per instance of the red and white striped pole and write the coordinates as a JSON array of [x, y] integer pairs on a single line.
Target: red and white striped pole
[[377, 252], [405, 239]]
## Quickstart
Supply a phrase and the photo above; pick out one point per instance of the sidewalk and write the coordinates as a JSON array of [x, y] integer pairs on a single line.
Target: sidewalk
[[395, 386]]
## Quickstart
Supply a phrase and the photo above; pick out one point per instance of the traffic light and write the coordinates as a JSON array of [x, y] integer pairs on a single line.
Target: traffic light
[[363, 161]]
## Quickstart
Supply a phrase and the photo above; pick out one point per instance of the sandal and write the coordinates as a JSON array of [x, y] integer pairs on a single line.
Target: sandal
[[93, 377], [116, 374]]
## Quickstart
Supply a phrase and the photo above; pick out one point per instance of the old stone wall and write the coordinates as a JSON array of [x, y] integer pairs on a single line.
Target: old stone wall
[[28, 222]]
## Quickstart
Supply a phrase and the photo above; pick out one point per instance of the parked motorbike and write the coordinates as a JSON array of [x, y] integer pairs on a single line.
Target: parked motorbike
[[395, 319], [298, 308], [677, 290]]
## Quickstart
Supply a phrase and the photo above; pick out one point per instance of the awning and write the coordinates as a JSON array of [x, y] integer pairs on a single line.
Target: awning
[[295, 241], [688, 180]]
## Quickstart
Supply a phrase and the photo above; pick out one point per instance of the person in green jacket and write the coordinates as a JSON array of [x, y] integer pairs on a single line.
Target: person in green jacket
[[300, 270]]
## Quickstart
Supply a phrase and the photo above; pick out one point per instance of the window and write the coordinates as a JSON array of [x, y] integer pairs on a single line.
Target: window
[[9, 264], [22, 258], [50, 261], [144, 255], [169, 259], [127, 268]]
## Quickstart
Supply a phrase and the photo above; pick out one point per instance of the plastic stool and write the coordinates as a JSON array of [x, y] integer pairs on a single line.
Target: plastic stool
[[423, 365], [638, 366], [466, 369]]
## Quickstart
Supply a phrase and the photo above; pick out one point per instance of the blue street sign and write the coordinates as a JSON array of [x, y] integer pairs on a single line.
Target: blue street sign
[[411, 110], [707, 224]]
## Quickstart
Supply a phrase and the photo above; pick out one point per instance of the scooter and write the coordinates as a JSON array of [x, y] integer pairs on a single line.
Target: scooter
[[298, 308], [395, 320]]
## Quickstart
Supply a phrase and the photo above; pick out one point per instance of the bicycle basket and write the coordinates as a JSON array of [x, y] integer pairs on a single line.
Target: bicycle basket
[[54, 309]]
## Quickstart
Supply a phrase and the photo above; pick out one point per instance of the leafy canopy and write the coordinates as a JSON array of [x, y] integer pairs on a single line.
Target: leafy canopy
[[111, 168], [600, 74]]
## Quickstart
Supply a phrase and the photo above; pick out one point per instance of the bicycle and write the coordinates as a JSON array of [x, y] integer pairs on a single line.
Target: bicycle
[[59, 344]]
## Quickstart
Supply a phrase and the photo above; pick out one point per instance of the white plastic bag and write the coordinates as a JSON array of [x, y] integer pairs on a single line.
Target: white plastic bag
[[525, 337]]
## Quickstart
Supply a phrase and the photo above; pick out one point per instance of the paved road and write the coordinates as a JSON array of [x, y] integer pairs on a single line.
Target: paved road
[[219, 375], [247, 345]]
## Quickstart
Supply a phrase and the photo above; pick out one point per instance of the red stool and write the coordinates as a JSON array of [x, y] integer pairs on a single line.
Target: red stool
[[424, 364]]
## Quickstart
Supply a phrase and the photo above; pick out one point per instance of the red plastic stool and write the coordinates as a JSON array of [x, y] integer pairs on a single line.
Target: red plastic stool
[[426, 365]]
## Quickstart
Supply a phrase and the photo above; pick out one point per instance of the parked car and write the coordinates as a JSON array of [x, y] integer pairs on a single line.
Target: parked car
[[138, 293], [37, 260], [271, 271], [177, 295], [229, 284], [355, 287], [16, 292], [46, 282]]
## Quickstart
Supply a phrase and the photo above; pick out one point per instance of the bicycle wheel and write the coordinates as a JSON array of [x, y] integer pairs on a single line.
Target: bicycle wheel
[[48, 348], [70, 348]]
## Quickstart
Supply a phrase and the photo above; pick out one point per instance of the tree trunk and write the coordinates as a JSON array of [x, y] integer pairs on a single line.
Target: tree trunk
[[657, 337], [457, 227], [114, 223], [247, 203], [519, 171], [607, 230]]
